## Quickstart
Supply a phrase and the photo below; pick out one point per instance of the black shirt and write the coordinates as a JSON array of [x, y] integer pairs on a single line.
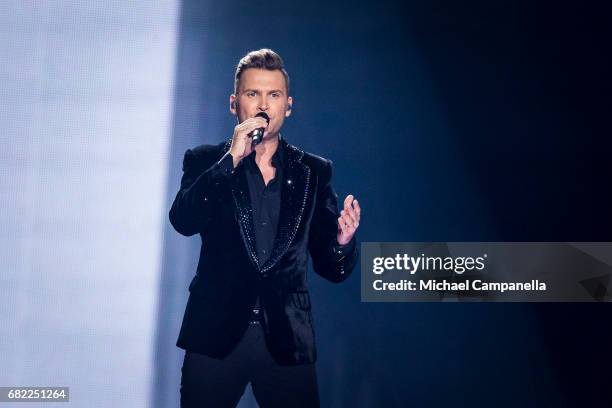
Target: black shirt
[[265, 202], [265, 199]]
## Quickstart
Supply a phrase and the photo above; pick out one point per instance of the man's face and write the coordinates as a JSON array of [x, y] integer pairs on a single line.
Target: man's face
[[261, 90]]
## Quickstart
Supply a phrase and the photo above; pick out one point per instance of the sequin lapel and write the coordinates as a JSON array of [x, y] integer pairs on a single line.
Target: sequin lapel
[[244, 211]]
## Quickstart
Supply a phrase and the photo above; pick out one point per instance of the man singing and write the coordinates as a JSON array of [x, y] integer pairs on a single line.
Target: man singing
[[259, 209]]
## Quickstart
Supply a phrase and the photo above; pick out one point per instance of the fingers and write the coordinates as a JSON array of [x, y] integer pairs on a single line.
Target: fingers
[[349, 218], [348, 222], [256, 122], [357, 210], [251, 124], [241, 143], [346, 226], [352, 210], [347, 201], [343, 225]]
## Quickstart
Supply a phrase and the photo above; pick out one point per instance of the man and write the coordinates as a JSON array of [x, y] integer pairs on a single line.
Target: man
[[260, 211]]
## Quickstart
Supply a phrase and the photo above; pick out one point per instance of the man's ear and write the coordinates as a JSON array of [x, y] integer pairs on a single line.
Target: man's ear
[[289, 107], [233, 105]]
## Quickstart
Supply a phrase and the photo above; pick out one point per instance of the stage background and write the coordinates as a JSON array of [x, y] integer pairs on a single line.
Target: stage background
[[85, 108], [449, 122]]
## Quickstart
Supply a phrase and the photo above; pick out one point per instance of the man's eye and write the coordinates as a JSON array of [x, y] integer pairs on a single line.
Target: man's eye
[[275, 95], [251, 94]]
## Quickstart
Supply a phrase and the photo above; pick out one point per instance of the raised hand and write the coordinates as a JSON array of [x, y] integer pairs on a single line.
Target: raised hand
[[348, 220], [242, 144]]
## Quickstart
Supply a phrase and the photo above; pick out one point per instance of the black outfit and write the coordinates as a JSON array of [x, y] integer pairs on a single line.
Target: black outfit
[[243, 263], [265, 200], [210, 382]]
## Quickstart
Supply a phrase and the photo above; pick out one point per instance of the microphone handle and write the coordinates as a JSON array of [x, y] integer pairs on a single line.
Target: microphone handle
[[257, 135]]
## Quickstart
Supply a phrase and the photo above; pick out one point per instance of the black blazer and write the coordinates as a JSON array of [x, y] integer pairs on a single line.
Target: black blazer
[[215, 203]]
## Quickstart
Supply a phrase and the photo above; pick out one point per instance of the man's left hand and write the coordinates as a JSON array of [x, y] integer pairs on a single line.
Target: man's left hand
[[348, 220]]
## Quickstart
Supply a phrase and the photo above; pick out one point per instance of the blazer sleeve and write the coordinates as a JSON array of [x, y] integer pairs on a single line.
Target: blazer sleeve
[[202, 183], [331, 260]]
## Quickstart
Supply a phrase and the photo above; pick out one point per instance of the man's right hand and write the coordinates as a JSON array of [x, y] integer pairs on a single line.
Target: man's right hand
[[242, 144]]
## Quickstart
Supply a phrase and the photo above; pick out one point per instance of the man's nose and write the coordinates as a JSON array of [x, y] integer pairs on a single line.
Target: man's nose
[[263, 104]]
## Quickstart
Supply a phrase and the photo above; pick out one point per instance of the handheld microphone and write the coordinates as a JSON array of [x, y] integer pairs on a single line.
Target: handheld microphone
[[257, 134]]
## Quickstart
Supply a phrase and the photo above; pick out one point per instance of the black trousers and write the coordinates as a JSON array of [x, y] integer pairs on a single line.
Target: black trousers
[[209, 382]]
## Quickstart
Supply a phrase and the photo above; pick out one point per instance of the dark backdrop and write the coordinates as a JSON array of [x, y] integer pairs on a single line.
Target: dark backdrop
[[450, 121]]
